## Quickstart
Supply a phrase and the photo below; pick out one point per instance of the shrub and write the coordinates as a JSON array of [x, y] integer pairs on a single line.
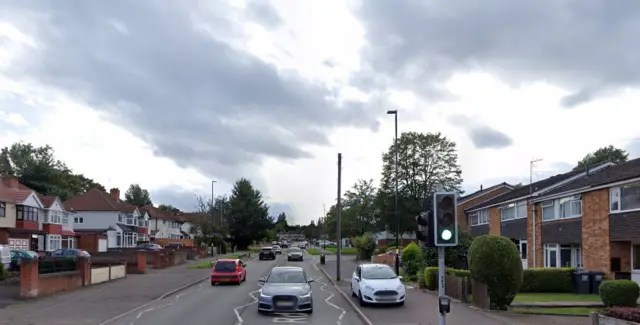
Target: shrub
[[495, 261], [430, 275], [366, 245], [4, 273], [421, 280], [619, 293], [412, 259], [547, 280], [625, 313], [459, 273]]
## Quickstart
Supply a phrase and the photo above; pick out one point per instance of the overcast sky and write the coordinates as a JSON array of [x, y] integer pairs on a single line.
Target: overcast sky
[[174, 94]]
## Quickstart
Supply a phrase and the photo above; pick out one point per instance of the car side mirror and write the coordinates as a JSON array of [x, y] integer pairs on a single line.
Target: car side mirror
[[262, 280], [311, 280], [400, 277]]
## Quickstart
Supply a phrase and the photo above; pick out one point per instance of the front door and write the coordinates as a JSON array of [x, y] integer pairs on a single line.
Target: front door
[[523, 253], [635, 263]]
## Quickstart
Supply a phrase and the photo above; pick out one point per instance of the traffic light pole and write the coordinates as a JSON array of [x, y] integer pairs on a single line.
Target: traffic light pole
[[442, 320]]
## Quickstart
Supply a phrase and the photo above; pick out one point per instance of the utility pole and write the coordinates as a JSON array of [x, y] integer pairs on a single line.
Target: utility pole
[[533, 216], [338, 230], [324, 226]]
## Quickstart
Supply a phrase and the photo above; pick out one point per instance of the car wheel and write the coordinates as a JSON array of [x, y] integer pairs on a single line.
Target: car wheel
[[213, 283], [310, 311], [260, 258], [360, 300]]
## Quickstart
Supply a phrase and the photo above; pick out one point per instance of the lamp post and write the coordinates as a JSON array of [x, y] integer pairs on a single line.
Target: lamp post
[[395, 206]]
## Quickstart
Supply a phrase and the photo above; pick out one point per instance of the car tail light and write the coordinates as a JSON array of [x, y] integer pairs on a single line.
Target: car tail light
[[238, 268]]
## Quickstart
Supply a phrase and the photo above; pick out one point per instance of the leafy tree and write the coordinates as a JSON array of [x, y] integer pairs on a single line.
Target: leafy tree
[[137, 196], [37, 168], [209, 225], [601, 156], [281, 224], [366, 245], [455, 257], [426, 162], [360, 211], [168, 207], [248, 217]]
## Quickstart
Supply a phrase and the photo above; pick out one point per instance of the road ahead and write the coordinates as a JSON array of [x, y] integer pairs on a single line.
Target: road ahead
[[236, 304]]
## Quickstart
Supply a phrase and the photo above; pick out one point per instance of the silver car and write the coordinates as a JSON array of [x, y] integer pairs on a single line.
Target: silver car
[[295, 254], [286, 289]]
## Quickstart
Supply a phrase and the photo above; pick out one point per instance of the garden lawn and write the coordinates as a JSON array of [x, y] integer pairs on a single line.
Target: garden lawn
[[557, 311], [344, 251], [555, 297], [313, 251]]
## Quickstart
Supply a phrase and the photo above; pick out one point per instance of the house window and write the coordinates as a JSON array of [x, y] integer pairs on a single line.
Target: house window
[[548, 210], [64, 219], [120, 218], [27, 213], [53, 217], [480, 217], [513, 211], [625, 198], [562, 255], [78, 220], [119, 240], [130, 220], [54, 242], [570, 207], [69, 242], [3, 210]]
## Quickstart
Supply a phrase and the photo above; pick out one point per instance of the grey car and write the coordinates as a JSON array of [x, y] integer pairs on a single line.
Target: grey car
[[286, 289], [294, 254]]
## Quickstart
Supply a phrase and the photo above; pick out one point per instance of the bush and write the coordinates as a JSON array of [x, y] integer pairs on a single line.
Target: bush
[[495, 261], [619, 293], [430, 275], [421, 280], [366, 245], [547, 280], [459, 273], [625, 313], [4, 273], [412, 260]]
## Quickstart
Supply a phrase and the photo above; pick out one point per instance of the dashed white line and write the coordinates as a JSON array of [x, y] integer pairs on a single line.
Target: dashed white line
[[142, 312], [331, 294], [255, 300]]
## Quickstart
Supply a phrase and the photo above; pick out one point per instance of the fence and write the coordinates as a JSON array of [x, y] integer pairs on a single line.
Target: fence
[[384, 259], [467, 291], [107, 272]]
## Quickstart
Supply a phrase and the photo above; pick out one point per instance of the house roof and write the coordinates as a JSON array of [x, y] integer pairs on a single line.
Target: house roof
[[484, 191], [11, 193], [156, 213], [97, 200], [610, 174], [47, 200], [525, 190]]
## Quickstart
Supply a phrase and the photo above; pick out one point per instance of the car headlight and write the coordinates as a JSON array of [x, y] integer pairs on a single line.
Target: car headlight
[[262, 295], [370, 288], [400, 287], [306, 295]]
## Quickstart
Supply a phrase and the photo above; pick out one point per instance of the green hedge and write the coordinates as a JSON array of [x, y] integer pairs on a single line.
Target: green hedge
[[430, 275], [554, 280], [619, 293]]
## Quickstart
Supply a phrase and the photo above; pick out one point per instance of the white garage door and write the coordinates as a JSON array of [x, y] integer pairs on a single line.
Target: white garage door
[[102, 245], [19, 244]]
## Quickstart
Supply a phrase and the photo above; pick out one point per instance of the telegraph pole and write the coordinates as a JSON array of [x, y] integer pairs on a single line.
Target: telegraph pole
[[338, 230]]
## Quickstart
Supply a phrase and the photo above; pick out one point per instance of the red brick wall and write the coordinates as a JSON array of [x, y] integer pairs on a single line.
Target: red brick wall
[[538, 244], [622, 250], [494, 221], [89, 242], [596, 250], [52, 229], [463, 219]]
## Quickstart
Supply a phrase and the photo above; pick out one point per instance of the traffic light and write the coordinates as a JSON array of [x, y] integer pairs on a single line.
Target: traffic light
[[424, 233], [445, 220]]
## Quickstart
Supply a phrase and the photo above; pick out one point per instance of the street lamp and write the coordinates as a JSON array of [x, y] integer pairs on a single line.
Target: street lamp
[[395, 208]]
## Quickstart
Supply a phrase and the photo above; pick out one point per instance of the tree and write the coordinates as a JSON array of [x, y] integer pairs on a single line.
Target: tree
[[426, 163], [168, 207], [281, 224], [601, 156], [248, 218], [37, 168], [137, 196], [360, 211]]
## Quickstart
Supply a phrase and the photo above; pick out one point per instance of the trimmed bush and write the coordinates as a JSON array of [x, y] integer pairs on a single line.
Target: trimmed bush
[[430, 275], [625, 313], [459, 273], [366, 245], [619, 293], [554, 280], [421, 280], [495, 261], [412, 259]]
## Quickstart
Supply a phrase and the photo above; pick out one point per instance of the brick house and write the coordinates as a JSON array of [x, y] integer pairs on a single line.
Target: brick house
[[21, 216], [512, 214], [593, 222], [483, 194], [165, 224]]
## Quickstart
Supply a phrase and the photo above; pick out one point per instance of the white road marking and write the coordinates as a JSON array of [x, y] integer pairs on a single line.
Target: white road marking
[[237, 309], [331, 294], [149, 310]]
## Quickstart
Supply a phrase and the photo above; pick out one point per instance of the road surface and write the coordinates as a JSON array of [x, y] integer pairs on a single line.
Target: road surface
[[236, 304]]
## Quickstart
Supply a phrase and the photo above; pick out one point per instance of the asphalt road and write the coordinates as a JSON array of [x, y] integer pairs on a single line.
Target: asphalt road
[[237, 304]]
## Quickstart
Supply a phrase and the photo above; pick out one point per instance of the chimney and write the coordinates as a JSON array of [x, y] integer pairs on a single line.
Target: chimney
[[480, 187], [11, 182], [115, 194]]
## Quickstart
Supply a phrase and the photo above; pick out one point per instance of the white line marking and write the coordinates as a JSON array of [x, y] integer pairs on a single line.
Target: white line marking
[[237, 309], [149, 310], [331, 294]]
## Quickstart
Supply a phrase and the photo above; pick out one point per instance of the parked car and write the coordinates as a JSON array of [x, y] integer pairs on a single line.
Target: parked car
[[267, 253], [150, 247], [5, 256], [69, 252], [18, 255], [228, 270], [377, 284]]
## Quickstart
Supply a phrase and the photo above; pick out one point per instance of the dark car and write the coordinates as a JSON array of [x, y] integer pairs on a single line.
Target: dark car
[[149, 247], [69, 252], [18, 255], [294, 254], [267, 253], [286, 289]]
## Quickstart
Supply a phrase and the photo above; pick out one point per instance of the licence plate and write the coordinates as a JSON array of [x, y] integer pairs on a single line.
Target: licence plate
[[224, 280], [285, 303]]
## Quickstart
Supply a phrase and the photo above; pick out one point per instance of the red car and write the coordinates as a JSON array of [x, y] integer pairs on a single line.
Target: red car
[[228, 270]]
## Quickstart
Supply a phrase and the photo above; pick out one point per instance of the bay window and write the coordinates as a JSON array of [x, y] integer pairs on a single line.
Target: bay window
[[562, 255], [479, 217], [513, 211], [54, 242], [27, 213], [625, 198], [53, 217], [130, 220]]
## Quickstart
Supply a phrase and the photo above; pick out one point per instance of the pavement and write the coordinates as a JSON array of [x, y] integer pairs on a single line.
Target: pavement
[[98, 303], [237, 304], [421, 307]]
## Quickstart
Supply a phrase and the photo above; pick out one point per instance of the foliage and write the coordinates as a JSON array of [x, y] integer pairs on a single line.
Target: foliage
[[366, 245], [208, 224], [270, 235], [495, 261], [4, 273], [551, 280], [37, 168], [619, 293], [137, 196], [168, 208], [601, 156], [430, 275], [248, 217], [629, 314], [359, 211], [455, 257], [421, 279], [343, 251], [281, 223], [425, 161], [412, 260]]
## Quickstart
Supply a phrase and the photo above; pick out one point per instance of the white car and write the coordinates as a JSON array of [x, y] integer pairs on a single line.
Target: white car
[[377, 284]]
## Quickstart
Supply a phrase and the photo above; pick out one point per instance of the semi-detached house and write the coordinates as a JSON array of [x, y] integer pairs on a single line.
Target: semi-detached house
[[482, 195], [102, 212], [165, 224]]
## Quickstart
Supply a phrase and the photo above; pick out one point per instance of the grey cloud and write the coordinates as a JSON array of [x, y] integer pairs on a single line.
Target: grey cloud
[[196, 99], [482, 136], [263, 12], [183, 200], [588, 47]]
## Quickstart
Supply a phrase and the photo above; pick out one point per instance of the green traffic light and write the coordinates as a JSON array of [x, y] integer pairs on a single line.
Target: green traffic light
[[446, 234]]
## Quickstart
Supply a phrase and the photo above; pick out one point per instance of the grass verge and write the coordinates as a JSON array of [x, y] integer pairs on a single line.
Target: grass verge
[[344, 251], [555, 297], [313, 251], [568, 311]]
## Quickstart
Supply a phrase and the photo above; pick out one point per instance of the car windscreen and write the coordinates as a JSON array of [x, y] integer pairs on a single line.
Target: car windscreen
[[294, 249], [286, 277], [225, 266], [276, 247], [378, 273], [267, 250]]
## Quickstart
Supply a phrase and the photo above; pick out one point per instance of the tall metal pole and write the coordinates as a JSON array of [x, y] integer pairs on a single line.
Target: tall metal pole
[[396, 199], [324, 227], [338, 230], [442, 320]]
